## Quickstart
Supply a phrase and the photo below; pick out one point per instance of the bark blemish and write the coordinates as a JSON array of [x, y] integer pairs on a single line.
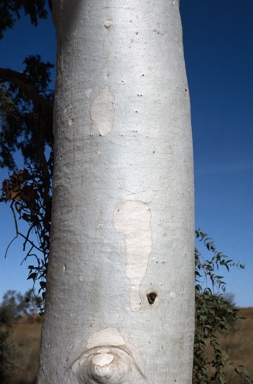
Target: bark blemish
[[103, 111], [69, 112], [132, 218], [102, 359], [151, 296], [88, 92], [106, 360], [108, 23], [107, 336], [104, 367]]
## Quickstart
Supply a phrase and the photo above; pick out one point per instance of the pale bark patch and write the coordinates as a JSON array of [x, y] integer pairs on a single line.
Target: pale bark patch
[[107, 336], [132, 218], [103, 111], [102, 359], [69, 113], [88, 92]]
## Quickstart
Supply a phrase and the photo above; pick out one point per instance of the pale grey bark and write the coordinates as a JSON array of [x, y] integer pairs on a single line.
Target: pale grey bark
[[120, 290]]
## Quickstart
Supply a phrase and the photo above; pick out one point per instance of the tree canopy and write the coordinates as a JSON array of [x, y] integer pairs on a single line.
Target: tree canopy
[[26, 125], [26, 101], [11, 11]]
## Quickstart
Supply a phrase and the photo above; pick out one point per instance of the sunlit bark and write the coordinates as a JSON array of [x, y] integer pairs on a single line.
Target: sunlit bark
[[120, 290]]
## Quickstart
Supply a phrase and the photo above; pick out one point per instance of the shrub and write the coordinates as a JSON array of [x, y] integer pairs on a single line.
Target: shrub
[[213, 313]]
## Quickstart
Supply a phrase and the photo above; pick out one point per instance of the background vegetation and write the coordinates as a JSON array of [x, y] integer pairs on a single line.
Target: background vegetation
[[24, 339]]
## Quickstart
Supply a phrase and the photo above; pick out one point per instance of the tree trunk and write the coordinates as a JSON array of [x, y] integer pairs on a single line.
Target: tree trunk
[[120, 289]]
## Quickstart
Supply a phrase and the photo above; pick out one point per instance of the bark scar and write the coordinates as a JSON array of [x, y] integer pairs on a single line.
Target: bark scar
[[103, 111], [132, 218]]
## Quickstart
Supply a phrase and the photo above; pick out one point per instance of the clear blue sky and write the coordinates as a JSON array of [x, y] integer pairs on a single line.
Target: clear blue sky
[[219, 59]]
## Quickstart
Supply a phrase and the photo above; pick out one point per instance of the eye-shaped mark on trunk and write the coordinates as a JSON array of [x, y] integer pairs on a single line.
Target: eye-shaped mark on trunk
[[106, 365]]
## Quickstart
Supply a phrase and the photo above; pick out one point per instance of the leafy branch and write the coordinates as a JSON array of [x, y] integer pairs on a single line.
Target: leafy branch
[[213, 313], [30, 199]]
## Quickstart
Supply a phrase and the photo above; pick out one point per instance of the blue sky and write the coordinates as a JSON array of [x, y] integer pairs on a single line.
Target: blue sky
[[219, 59]]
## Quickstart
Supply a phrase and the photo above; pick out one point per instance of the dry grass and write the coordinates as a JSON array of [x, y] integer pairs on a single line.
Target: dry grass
[[237, 345], [25, 337]]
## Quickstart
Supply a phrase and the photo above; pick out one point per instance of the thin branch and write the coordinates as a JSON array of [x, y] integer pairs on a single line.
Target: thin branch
[[25, 84], [30, 242], [5, 255], [16, 228], [20, 234]]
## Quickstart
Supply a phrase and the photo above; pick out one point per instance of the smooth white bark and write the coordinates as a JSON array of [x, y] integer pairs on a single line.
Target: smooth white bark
[[120, 290]]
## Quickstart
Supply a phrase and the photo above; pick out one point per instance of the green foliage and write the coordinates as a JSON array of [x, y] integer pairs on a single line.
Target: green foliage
[[213, 313], [26, 122], [30, 193], [26, 113]]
